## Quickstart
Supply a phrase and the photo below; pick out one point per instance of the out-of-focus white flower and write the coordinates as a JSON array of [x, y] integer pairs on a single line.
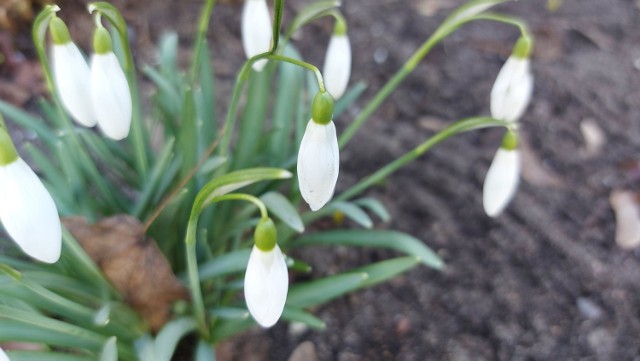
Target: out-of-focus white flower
[[511, 92], [501, 182], [70, 74], [27, 210], [318, 163], [3, 356], [110, 94], [256, 30], [266, 284], [337, 65]]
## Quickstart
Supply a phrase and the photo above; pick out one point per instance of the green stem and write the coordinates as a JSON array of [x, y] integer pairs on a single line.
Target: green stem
[[277, 21], [192, 260], [505, 19], [455, 128], [203, 26]]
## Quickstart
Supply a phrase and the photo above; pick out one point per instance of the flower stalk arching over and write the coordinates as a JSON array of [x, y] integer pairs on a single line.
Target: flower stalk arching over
[[256, 30], [71, 74], [27, 211], [337, 63], [110, 93], [319, 155]]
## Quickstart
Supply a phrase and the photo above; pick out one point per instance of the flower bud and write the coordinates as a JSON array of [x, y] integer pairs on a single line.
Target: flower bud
[[27, 210], [266, 284], [110, 94], [337, 63], [256, 30], [70, 74]]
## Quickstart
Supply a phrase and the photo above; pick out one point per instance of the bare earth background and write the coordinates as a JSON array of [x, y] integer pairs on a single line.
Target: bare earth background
[[544, 281]]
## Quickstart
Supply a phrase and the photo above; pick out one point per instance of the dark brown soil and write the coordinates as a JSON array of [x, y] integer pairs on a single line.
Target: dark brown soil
[[545, 280]]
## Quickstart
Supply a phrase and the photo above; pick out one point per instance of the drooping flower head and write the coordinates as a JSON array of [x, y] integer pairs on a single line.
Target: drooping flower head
[[110, 93], [502, 179], [266, 281], [337, 63], [3, 356], [256, 30], [511, 92], [318, 158], [70, 74], [27, 211]]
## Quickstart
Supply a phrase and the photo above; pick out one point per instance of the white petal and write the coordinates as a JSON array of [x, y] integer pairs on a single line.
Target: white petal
[[318, 164], [266, 284], [110, 96], [28, 212], [337, 65], [501, 182], [512, 90], [71, 75], [3, 356], [256, 30]]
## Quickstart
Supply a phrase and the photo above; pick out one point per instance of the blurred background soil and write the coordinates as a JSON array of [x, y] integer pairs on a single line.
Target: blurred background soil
[[545, 280]]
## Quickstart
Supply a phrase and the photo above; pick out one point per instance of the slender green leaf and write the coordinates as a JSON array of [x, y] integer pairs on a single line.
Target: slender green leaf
[[170, 335], [211, 164], [303, 295], [297, 315], [310, 12], [145, 348], [157, 172], [205, 352], [375, 206], [227, 328], [375, 238], [283, 209], [230, 313], [46, 356], [226, 264], [350, 97], [110, 350], [353, 212], [385, 270], [28, 121]]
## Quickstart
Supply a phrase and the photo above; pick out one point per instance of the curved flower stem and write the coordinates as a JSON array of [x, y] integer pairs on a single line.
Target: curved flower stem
[[463, 15], [203, 26], [505, 19], [455, 128], [192, 260], [277, 21]]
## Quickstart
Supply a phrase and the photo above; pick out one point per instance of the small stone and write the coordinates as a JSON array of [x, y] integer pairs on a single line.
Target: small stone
[[305, 351], [588, 308]]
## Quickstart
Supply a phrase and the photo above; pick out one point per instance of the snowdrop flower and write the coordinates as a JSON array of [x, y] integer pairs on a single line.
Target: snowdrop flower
[[3, 356], [502, 179], [266, 281], [513, 87], [110, 94], [256, 30], [27, 210], [337, 63], [318, 158], [70, 74]]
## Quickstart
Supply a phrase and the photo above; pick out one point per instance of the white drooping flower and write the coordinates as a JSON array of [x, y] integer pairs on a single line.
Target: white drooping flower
[[337, 65], [3, 356], [318, 163], [511, 92], [110, 93], [501, 182], [266, 284], [71, 75], [27, 211], [256, 30]]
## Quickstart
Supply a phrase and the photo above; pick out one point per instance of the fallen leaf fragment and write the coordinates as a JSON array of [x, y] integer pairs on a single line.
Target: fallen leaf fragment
[[627, 210], [133, 263]]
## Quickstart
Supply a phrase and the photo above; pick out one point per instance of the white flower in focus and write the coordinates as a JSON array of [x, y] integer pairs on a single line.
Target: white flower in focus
[[256, 30], [266, 284], [337, 65], [3, 356], [28, 212], [318, 164], [501, 182], [110, 94], [512, 89], [71, 75]]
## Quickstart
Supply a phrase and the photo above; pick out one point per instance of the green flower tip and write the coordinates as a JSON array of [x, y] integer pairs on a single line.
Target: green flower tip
[[265, 235], [510, 140], [322, 112], [59, 31], [340, 28], [8, 153], [523, 47], [102, 41]]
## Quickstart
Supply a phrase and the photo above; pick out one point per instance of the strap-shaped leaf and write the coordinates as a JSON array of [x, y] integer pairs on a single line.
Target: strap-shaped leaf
[[110, 350], [374, 206], [280, 206], [368, 238], [384, 270], [228, 263], [353, 212], [168, 338], [303, 295], [297, 315]]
